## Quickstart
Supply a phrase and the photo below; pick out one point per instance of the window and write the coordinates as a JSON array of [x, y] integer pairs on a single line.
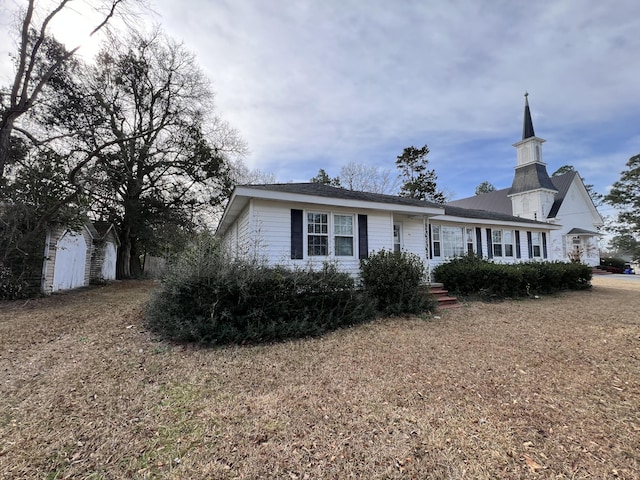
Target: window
[[452, 241], [397, 237], [319, 230], [343, 235], [469, 238], [576, 244], [435, 240], [317, 234], [452, 245], [536, 244], [502, 241]]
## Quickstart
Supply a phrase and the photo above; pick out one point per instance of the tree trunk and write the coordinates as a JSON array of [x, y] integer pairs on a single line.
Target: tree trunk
[[135, 269], [5, 144], [124, 254]]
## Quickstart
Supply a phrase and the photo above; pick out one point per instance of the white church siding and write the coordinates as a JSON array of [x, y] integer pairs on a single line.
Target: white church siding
[[577, 212]]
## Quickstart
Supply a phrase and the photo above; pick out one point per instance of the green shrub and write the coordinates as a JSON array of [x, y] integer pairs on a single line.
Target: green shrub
[[618, 263], [11, 288], [471, 275], [394, 280], [212, 300]]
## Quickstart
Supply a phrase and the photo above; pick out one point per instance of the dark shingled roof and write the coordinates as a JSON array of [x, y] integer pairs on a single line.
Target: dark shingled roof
[[531, 177], [562, 184], [498, 201], [581, 231], [322, 190], [484, 214]]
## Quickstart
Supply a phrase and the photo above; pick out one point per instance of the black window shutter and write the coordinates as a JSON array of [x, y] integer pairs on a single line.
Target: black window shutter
[[297, 237], [479, 241], [544, 244], [430, 243], [363, 237], [530, 245], [489, 244], [518, 252]]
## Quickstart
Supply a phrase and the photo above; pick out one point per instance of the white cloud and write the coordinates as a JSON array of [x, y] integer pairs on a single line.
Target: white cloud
[[316, 84]]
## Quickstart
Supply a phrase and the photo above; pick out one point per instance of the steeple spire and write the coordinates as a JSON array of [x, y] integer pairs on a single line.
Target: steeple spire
[[527, 127]]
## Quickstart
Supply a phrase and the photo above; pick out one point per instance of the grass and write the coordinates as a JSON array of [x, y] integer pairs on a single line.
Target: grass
[[525, 389]]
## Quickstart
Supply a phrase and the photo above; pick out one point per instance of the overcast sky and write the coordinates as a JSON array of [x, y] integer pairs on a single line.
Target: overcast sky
[[313, 84]]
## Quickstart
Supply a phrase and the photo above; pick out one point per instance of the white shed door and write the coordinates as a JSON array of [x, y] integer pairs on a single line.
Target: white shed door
[[109, 262], [71, 256]]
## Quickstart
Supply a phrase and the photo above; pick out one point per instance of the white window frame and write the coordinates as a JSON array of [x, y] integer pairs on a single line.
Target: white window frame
[[397, 245], [442, 234], [331, 234], [341, 234], [536, 244], [502, 243]]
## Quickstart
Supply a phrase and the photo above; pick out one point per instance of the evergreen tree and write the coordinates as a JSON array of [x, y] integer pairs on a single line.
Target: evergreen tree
[[324, 178], [625, 195], [418, 181], [485, 187], [595, 196]]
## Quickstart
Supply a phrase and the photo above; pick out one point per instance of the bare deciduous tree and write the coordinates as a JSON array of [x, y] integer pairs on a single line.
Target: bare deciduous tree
[[368, 178], [35, 67]]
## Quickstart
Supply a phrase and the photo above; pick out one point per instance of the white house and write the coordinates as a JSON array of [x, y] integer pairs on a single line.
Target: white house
[[306, 224]]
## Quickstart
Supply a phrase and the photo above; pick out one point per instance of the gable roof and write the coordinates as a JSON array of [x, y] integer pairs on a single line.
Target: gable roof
[[322, 190], [453, 211], [498, 201], [324, 195], [103, 228]]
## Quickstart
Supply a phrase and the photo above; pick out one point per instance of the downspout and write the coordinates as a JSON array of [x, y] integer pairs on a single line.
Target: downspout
[[427, 240]]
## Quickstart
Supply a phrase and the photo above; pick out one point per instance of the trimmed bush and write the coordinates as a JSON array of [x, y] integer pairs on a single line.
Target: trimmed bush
[[212, 300], [394, 280], [612, 262], [471, 275]]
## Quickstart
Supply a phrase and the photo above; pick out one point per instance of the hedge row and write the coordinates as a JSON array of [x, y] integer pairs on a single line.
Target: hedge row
[[242, 302], [471, 275], [212, 300]]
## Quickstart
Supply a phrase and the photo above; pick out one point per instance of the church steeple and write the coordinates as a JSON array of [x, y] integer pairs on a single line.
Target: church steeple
[[532, 192], [527, 127]]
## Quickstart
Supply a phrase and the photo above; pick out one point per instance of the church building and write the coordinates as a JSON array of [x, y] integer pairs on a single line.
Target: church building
[[538, 218]]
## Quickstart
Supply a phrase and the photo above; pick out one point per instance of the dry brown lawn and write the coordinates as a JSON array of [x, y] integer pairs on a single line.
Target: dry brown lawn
[[546, 388]]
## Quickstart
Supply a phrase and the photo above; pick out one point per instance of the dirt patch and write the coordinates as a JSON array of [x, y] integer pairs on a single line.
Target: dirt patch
[[525, 389]]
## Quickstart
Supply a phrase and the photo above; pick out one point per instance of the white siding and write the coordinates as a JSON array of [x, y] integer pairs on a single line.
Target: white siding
[[413, 236], [272, 228], [484, 252], [576, 211], [380, 230], [75, 270], [70, 262], [243, 232], [108, 270], [264, 233]]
